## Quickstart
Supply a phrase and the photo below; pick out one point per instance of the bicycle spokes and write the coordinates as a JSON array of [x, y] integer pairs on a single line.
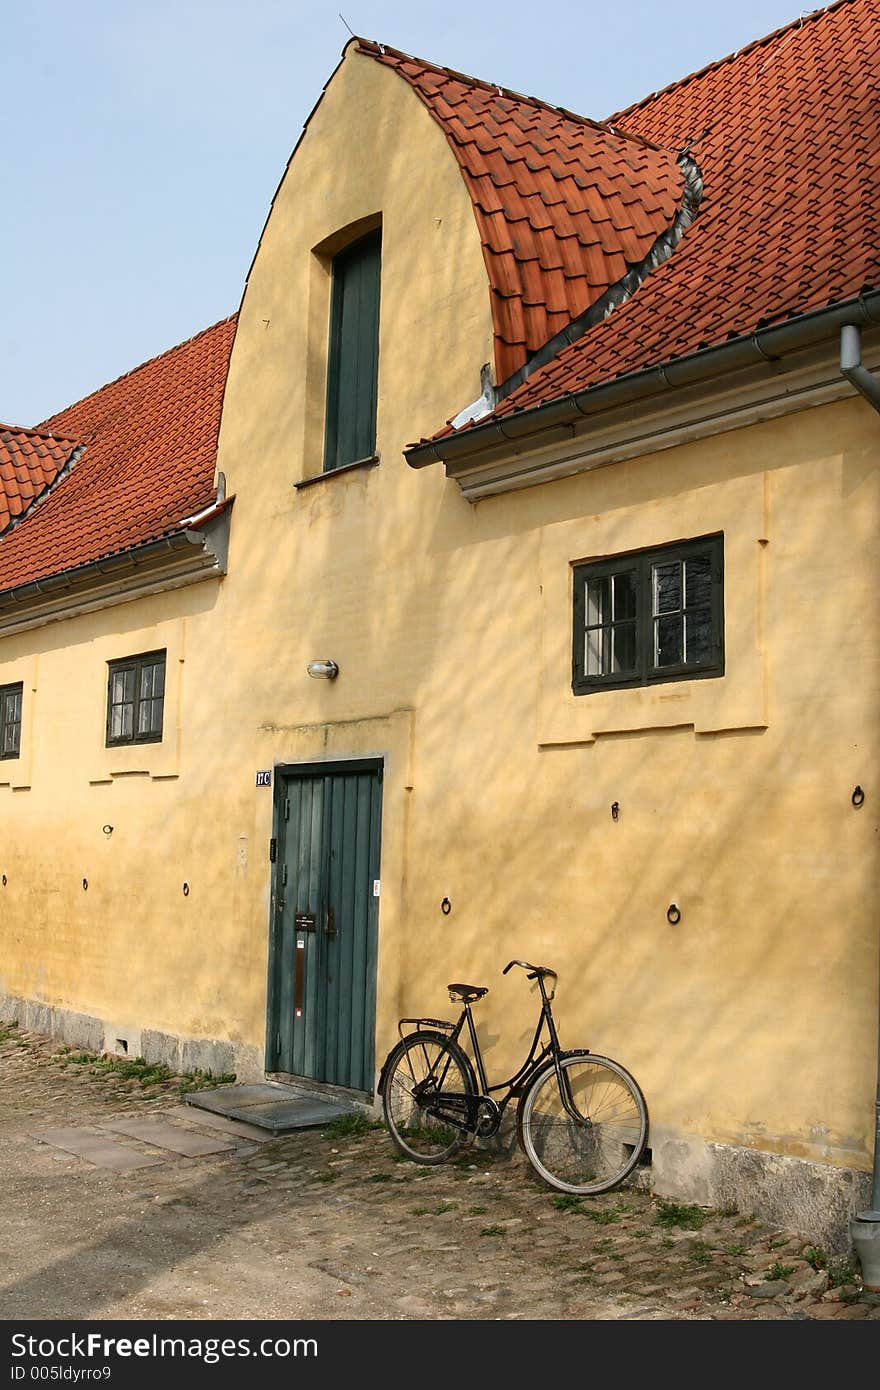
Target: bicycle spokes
[[583, 1129], [426, 1097]]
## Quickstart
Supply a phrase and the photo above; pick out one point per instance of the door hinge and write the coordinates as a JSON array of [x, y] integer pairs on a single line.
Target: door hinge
[[287, 808], [273, 850], [284, 874]]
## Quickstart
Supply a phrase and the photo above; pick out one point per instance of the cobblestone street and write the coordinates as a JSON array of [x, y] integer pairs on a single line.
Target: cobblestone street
[[329, 1224]]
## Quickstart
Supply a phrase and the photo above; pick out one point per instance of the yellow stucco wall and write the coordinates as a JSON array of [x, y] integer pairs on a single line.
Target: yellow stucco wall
[[753, 1021]]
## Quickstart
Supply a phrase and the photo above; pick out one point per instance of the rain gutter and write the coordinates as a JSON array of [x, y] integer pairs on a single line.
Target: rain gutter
[[765, 345], [197, 551], [80, 576]]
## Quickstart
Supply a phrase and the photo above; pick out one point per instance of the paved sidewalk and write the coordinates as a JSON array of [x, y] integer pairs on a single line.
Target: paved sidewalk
[[329, 1224]]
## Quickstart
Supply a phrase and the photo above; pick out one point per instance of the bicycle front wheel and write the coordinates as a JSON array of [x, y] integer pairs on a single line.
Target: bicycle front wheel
[[425, 1097], [588, 1135]]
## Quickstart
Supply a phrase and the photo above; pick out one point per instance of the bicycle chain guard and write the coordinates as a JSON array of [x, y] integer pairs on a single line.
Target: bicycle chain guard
[[478, 1115]]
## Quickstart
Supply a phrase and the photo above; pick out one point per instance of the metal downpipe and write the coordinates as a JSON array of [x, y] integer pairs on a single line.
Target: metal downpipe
[[868, 386], [851, 365]]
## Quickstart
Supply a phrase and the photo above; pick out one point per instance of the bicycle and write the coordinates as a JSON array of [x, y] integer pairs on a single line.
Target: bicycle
[[581, 1119]]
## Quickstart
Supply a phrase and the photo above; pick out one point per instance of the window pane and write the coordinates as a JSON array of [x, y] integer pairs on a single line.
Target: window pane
[[624, 595], [122, 688], [150, 716], [668, 641], [152, 686], [624, 647], [121, 717], [597, 600], [593, 652], [667, 587], [699, 635], [698, 581]]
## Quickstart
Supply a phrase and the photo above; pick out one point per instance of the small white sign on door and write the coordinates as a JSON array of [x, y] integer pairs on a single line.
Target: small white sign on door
[[376, 885]]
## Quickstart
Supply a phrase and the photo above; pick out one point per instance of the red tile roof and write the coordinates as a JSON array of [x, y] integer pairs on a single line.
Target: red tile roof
[[149, 462], [564, 205], [30, 461], [787, 137]]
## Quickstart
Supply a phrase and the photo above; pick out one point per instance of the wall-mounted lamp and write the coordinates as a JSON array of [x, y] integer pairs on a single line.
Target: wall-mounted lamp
[[323, 670]]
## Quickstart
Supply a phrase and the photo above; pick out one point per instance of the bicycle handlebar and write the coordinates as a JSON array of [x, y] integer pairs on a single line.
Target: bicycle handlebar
[[534, 970]]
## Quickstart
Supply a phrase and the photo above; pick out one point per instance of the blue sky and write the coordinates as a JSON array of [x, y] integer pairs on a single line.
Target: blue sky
[[141, 144]]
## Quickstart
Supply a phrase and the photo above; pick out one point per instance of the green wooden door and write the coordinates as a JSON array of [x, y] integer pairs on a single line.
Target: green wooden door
[[322, 958], [353, 354]]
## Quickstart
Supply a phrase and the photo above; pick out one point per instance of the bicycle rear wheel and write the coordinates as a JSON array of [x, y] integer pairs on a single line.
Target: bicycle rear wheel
[[426, 1089], [599, 1148]]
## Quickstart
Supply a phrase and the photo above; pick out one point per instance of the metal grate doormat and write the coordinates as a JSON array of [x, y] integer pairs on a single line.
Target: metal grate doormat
[[273, 1106]]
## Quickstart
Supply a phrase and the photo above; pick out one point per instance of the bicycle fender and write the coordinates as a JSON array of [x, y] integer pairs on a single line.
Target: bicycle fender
[[436, 1037]]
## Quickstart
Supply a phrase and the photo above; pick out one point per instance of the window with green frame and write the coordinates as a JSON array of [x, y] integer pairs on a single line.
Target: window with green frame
[[649, 616], [353, 356], [10, 720], [136, 699]]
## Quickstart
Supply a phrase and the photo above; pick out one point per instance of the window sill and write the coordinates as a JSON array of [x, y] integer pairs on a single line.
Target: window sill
[[358, 466], [695, 673], [113, 745]]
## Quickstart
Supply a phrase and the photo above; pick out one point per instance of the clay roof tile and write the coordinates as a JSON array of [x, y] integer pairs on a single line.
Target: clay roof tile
[[148, 462], [785, 135], [536, 156], [30, 462]]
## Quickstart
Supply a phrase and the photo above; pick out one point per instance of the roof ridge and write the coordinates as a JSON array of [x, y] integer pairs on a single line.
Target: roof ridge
[[798, 23], [40, 433], [157, 357], [372, 48]]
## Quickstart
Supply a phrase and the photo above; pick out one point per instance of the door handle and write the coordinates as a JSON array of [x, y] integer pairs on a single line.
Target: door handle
[[330, 922], [299, 978]]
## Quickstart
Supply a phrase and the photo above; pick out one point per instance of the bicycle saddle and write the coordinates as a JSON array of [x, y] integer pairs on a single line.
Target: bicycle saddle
[[466, 993]]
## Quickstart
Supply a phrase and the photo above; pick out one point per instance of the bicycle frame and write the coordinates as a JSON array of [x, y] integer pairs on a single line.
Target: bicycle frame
[[516, 1085]]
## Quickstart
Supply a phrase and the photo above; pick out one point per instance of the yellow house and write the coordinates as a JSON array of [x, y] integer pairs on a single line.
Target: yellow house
[[595, 663]]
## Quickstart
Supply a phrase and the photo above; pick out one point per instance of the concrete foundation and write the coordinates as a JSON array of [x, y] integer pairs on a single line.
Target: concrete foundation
[[818, 1199], [179, 1054]]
